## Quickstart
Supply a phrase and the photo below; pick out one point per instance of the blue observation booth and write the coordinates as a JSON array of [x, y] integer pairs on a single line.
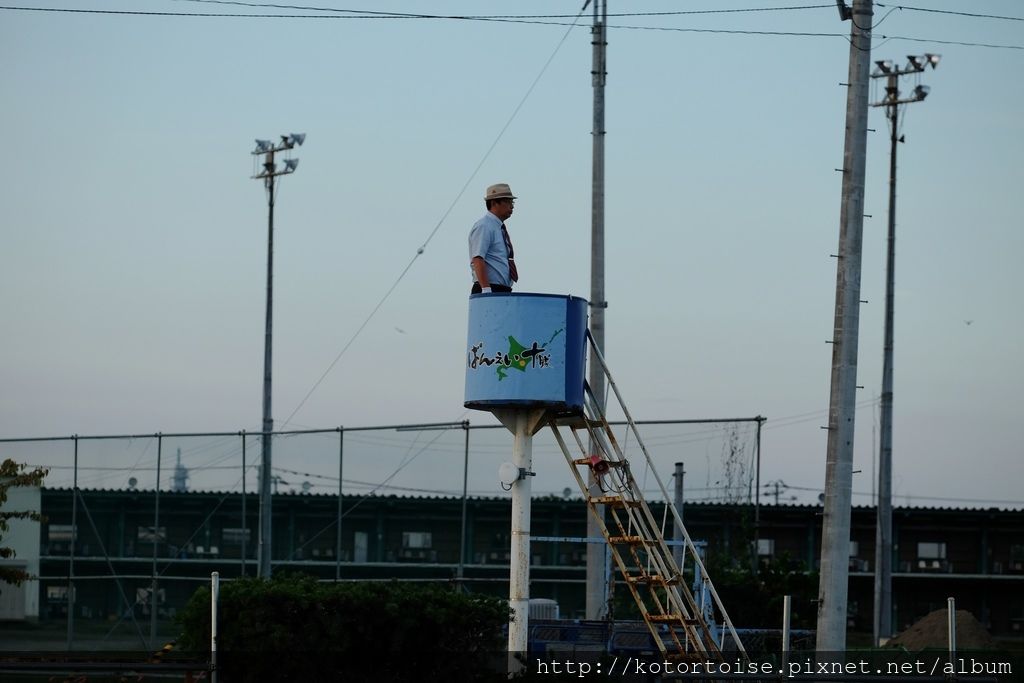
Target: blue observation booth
[[525, 359], [526, 351]]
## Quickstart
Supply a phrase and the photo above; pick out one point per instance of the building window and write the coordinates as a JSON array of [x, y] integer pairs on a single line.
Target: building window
[[416, 547], [931, 551], [235, 536], [59, 538], [60, 533], [1017, 558], [856, 563], [57, 593], [765, 547], [931, 557], [416, 540]]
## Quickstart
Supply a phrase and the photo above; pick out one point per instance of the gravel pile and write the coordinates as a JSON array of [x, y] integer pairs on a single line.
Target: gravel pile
[[933, 632]]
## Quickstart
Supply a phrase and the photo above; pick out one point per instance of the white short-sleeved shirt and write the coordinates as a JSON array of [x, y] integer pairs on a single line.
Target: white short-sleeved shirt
[[487, 242]]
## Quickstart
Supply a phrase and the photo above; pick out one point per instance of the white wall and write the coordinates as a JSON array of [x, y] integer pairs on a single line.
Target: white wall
[[23, 537]]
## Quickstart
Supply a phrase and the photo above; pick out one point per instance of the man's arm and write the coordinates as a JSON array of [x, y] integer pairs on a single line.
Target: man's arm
[[480, 270]]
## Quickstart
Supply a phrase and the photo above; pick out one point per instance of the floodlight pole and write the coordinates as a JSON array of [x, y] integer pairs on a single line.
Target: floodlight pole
[[269, 172], [883, 529]]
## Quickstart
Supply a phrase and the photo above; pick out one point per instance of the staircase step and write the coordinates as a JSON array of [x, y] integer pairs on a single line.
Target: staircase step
[[671, 619], [613, 501], [577, 422], [652, 579], [626, 540]]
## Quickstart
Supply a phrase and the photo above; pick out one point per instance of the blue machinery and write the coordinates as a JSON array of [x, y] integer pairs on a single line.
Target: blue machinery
[[525, 362]]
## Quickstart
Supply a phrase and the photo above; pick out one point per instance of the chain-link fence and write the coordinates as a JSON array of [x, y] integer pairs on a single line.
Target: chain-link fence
[[135, 523]]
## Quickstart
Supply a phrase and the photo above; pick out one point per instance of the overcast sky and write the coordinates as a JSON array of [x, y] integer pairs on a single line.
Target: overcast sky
[[134, 241]]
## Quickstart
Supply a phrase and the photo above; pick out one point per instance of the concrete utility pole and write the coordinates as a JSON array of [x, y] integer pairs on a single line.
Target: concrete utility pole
[[835, 537], [267, 174], [883, 530], [597, 569]]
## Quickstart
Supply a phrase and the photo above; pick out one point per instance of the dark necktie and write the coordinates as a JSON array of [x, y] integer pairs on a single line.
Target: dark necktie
[[513, 273]]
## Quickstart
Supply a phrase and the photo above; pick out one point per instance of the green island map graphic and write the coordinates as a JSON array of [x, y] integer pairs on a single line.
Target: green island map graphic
[[517, 351], [519, 356]]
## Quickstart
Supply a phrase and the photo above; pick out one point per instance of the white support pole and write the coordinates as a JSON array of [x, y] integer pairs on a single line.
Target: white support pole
[[951, 608], [214, 597], [787, 609], [519, 579]]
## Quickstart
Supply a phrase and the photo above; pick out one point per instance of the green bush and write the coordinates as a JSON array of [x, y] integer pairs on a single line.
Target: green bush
[[296, 628]]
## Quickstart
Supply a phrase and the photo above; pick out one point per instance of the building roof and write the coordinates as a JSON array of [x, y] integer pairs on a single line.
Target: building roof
[[544, 498]]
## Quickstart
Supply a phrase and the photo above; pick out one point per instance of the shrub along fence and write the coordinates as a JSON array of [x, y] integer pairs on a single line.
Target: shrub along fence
[[294, 628]]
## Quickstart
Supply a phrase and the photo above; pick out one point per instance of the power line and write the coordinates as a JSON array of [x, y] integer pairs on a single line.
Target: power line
[[366, 496], [383, 16], [371, 14], [497, 19], [491, 17], [911, 495], [422, 248], [944, 11], [494, 17], [886, 38]]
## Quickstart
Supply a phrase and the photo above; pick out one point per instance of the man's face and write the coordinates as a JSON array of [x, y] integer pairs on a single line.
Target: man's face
[[503, 208]]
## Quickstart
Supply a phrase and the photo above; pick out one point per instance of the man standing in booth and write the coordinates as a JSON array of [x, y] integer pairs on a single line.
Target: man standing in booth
[[491, 257]]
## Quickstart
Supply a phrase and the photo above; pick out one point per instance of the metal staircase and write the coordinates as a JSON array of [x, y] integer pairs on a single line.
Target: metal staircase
[[681, 627]]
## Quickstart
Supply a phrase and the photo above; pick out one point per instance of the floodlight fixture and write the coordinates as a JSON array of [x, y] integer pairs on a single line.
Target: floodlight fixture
[[298, 138], [932, 59], [263, 146], [290, 165], [921, 92], [885, 66], [509, 473], [915, 62]]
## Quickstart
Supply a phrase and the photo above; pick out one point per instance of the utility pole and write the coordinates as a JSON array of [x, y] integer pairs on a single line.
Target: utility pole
[[267, 174], [597, 569], [835, 537], [883, 529]]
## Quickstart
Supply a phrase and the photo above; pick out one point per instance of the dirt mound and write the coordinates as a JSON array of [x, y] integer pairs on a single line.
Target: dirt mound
[[933, 632]]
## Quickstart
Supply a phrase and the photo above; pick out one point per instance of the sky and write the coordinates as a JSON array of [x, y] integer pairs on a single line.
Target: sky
[[133, 267]]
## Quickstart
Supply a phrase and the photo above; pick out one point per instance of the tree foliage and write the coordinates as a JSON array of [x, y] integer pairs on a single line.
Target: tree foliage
[[14, 475]]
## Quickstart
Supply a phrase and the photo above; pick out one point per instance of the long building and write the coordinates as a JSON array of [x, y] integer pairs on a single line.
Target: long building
[[975, 555]]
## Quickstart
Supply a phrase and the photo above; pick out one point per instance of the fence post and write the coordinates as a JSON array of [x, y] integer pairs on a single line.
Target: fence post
[[341, 491], [787, 608], [245, 522], [465, 485], [951, 609], [214, 596], [153, 607], [71, 558]]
